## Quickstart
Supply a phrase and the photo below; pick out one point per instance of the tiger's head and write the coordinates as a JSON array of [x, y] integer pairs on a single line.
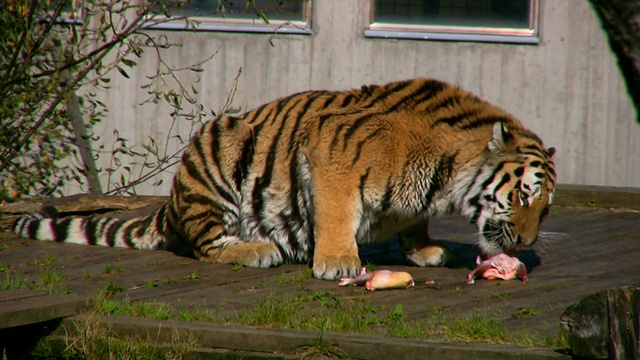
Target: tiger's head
[[515, 191]]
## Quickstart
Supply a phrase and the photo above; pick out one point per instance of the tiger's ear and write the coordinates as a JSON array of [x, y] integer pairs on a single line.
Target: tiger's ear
[[498, 143], [551, 151]]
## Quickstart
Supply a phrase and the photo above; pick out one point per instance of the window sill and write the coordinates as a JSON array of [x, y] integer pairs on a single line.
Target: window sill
[[237, 28], [442, 36]]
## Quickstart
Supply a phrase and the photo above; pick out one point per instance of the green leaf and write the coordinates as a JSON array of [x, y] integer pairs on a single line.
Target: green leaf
[[129, 63], [124, 73]]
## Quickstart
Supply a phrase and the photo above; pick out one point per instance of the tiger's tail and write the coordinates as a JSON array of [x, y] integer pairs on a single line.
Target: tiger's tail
[[144, 233]]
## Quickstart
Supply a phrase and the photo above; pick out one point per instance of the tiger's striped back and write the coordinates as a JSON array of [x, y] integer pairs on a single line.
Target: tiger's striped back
[[311, 176]]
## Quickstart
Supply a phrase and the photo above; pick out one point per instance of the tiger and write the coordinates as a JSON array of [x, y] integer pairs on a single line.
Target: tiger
[[312, 177]]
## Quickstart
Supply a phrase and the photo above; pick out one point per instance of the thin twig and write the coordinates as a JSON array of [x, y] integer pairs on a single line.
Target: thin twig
[[232, 93]]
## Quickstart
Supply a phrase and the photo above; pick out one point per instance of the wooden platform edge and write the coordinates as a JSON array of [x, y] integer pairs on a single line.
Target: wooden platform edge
[[32, 306], [597, 196], [28, 315], [290, 342]]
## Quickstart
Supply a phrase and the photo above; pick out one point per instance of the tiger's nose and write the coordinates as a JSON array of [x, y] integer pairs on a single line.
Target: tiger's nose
[[519, 240], [522, 241]]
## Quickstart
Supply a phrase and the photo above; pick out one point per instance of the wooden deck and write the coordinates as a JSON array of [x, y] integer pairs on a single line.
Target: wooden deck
[[585, 249]]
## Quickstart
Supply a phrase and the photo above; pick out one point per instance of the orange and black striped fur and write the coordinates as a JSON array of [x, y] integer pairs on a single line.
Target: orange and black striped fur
[[312, 176]]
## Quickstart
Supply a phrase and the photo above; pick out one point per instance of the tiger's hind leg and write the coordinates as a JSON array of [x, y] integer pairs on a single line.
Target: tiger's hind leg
[[207, 193], [420, 250], [232, 250]]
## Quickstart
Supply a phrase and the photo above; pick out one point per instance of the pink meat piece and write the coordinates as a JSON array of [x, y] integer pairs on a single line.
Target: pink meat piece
[[499, 266], [380, 279]]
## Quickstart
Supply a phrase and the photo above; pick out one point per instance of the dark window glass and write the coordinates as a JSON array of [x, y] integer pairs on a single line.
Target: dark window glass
[[454, 13]]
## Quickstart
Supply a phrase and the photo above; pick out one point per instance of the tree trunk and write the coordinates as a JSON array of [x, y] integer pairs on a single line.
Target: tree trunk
[[83, 143], [621, 21], [81, 138]]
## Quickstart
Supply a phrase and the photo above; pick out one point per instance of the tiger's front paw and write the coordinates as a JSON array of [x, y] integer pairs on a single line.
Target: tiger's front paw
[[333, 268]]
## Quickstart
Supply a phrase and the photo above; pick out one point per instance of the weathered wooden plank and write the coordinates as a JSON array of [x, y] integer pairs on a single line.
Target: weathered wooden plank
[[582, 195], [18, 295], [82, 203], [36, 309]]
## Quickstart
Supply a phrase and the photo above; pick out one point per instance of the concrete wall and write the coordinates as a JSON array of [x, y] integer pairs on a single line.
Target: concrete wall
[[567, 88]]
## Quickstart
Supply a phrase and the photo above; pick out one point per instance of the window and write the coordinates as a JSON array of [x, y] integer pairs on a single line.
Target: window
[[265, 16], [70, 12], [511, 21]]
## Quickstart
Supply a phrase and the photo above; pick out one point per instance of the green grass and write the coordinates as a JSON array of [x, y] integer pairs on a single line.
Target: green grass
[[110, 288], [318, 311], [192, 276], [91, 339], [11, 278], [545, 339], [527, 312], [296, 277], [321, 349], [261, 285], [479, 326], [48, 259], [498, 295], [48, 279], [109, 268], [321, 311], [457, 290], [151, 284], [305, 274], [326, 311], [112, 302]]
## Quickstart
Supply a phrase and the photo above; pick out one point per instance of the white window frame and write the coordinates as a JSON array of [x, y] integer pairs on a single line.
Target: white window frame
[[75, 16], [230, 24], [457, 33]]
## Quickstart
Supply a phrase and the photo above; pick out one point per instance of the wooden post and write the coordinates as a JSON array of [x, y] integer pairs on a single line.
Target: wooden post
[[604, 325], [623, 322]]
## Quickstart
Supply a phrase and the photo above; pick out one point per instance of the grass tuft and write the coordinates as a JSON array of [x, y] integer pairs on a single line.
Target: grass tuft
[[476, 327], [91, 339], [47, 279]]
